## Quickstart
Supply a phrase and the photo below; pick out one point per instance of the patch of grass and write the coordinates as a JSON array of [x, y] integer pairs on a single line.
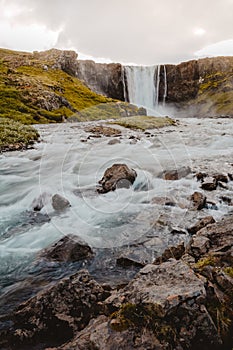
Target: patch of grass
[[206, 261], [14, 135], [144, 122], [104, 111], [229, 271]]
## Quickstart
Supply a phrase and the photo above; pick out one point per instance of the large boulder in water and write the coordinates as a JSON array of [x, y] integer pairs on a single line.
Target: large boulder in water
[[60, 203], [117, 176]]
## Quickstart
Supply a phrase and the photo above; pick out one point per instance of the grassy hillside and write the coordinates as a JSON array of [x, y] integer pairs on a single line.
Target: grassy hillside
[[35, 89]]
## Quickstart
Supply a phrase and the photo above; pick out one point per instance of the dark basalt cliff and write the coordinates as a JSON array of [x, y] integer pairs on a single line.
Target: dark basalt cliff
[[196, 88], [202, 87], [106, 79]]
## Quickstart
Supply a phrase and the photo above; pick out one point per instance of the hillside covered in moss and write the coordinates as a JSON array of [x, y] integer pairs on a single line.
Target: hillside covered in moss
[[201, 88], [41, 87]]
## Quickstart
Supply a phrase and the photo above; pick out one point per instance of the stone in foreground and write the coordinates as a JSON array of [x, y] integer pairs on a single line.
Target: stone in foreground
[[56, 313]]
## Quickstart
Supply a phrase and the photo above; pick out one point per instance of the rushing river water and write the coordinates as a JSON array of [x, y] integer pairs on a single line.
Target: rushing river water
[[69, 163]]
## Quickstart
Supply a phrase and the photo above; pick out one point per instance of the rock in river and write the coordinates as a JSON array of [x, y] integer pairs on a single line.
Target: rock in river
[[68, 248], [117, 176], [60, 203]]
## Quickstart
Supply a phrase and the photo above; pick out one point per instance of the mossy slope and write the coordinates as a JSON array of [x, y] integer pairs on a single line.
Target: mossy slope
[[215, 88], [34, 88]]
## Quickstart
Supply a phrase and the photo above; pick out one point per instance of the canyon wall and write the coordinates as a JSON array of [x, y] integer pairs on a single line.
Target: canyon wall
[[195, 88], [106, 79]]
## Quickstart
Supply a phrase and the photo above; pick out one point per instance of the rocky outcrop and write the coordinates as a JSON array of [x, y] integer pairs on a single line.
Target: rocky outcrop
[[183, 303], [196, 88], [56, 313], [117, 176]]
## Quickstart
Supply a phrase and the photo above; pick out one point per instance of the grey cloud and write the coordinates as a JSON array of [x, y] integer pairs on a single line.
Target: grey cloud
[[140, 31]]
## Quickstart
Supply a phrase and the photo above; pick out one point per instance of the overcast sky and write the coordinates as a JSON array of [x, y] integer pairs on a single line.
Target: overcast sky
[[137, 31]]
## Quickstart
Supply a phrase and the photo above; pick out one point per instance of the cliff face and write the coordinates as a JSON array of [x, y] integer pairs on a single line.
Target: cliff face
[[106, 79], [202, 87], [195, 88]]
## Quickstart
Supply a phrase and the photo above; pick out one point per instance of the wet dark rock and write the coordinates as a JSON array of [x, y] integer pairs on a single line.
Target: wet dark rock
[[175, 174], [209, 184], [117, 176], [198, 200], [221, 178], [68, 248], [201, 176], [52, 316], [114, 142], [134, 257], [60, 203], [200, 224], [226, 200], [230, 176]]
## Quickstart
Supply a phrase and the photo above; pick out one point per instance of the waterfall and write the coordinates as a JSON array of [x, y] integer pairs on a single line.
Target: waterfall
[[157, 85], [143, 85], [165, 85]]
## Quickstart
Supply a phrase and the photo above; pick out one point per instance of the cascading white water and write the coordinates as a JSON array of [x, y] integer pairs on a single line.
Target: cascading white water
[[165, 85], [142, 85], [157, 85]]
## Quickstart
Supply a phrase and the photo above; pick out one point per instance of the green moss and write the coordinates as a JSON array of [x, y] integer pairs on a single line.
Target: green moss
[[142, 316], [144, 122], [28, 91], [13, 134], [206, 261], [229, 271]]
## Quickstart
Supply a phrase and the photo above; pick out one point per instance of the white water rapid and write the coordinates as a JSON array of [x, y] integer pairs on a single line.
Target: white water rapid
[[69, 163]]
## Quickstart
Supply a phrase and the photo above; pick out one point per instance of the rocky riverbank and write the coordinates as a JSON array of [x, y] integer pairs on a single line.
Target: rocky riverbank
[[184, 302], [112, 236]]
